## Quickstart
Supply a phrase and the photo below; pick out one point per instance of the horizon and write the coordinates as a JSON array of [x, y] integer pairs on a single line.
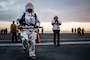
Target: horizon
[[65, 27]]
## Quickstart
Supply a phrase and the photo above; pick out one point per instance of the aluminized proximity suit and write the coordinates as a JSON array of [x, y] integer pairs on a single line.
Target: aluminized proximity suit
[[27, 32]]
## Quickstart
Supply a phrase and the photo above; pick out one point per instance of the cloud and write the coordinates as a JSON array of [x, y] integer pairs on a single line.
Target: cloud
[[67, 10], [8, 15]]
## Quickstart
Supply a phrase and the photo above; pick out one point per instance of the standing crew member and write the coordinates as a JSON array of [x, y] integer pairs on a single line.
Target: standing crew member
[[56, 29], [72, 30], [27, 23], [13, 30]]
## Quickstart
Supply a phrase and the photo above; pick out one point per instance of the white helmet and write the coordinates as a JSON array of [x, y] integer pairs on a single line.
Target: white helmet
[[29, 6]]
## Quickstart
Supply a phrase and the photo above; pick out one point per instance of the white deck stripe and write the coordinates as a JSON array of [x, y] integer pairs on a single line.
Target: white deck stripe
[[52, 39], [19, 44], [71, 39]]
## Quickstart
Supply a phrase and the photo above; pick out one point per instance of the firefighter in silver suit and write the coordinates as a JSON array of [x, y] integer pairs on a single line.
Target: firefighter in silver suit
[[27, 23]]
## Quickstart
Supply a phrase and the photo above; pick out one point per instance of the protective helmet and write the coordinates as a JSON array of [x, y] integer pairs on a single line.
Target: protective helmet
[[29, 6]]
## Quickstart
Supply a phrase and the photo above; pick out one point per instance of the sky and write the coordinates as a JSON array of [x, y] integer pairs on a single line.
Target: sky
[[67, 10]]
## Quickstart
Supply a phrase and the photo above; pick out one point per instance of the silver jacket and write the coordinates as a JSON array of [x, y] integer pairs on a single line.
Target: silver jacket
[[29, 21]]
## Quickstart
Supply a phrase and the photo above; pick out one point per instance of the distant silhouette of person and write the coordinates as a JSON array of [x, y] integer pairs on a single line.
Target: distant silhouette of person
[[5, 30], [42, 30], [83, 31], [2, 31], [72, 30], [79, 31], [75, 30], [56, 29], [13, 31]]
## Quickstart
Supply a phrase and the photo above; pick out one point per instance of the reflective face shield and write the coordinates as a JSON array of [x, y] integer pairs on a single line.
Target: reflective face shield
[[29, 10]]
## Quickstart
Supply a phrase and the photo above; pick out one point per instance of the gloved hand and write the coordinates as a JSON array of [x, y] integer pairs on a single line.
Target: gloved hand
[[20, 27], [36, 26]]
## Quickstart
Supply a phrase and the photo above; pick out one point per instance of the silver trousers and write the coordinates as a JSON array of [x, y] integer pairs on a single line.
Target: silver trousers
[[28, 40]]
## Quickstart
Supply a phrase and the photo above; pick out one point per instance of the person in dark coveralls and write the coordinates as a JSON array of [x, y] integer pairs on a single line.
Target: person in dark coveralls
[[75, 30], [72, 30], [13, 31], [42, 30], [82, 31], [56, 29], [79, 31]]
